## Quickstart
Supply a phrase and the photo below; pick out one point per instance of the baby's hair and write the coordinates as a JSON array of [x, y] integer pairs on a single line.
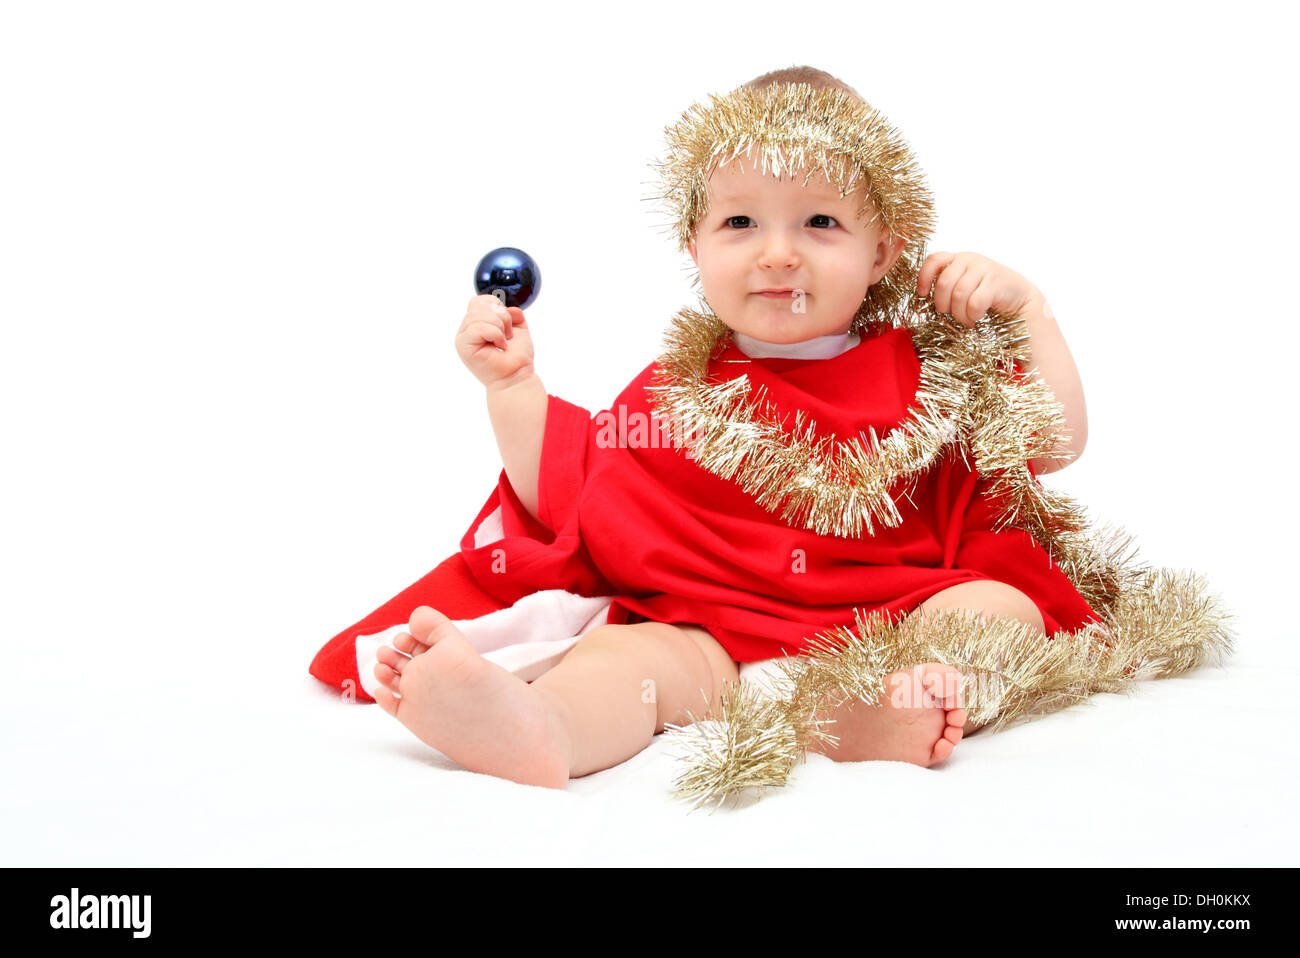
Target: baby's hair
[[818, 79]]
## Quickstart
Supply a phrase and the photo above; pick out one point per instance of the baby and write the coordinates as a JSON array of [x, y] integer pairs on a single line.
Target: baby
[[786, 265]]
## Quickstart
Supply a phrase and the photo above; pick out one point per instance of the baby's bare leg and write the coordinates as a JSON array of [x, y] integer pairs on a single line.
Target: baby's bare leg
[[599, 706], [621, 683]]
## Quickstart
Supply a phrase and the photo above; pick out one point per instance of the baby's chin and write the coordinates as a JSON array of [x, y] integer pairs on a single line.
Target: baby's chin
[[783, 334]]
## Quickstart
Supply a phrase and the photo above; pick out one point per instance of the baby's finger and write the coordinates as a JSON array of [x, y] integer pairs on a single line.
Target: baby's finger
[[961, 294], [943, 287], [485, 308], [486, 301], [981, 298], [489, 304], [484, 331], [502, 315], [934, 264], [514, 319], [482, 328], [500, 312]]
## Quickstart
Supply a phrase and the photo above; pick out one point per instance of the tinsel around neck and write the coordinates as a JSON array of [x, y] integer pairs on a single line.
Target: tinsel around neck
[[828, 486]]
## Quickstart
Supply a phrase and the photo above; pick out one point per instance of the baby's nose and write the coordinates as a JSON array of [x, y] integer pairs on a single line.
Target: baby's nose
[[778, 250]]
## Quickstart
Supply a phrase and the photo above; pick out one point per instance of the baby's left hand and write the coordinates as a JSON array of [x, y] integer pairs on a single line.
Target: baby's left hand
[[969, 285]]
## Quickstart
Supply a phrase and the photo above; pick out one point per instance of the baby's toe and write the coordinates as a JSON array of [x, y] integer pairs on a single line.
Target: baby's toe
[[957, 717], [387, 700], [387, 676], [942, 749], [392, 658], [405, 642], [943, 683], [424, 621], [953, 734]]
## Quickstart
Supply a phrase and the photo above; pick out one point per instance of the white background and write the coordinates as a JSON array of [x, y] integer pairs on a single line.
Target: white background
[[236, 240]]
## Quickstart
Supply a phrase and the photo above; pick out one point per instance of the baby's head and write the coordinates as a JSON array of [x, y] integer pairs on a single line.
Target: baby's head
[[793, 182]]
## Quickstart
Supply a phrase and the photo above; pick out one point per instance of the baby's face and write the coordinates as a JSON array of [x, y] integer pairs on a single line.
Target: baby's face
[[764, 234]]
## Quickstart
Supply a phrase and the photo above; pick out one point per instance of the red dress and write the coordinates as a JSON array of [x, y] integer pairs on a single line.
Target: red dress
[[638, 520]]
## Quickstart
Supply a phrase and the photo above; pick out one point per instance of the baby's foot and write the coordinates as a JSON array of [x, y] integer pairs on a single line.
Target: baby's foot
[[916, 720], [472, 710]]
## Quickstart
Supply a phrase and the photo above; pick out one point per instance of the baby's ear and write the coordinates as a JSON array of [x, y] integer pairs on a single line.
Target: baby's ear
[[888, 250]]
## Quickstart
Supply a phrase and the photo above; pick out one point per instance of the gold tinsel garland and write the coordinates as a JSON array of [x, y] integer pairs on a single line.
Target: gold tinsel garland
[[828, 487], [973, 397]]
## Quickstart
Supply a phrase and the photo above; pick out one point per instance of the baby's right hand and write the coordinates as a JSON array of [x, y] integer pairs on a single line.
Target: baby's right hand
[[494, 341]]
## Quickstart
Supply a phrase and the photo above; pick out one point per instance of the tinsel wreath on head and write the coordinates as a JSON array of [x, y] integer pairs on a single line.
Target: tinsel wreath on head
[[974, 398], [793, 128]]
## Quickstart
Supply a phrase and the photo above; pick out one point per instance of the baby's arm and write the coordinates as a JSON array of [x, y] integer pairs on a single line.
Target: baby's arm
[[498, 349], [1050, 354], [967, 285]]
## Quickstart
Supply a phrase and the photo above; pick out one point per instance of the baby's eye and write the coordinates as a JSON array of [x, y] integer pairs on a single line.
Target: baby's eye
[[745, 222]]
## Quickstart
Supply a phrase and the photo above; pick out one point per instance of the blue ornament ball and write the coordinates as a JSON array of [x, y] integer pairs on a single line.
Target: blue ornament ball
[[510, 274]]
